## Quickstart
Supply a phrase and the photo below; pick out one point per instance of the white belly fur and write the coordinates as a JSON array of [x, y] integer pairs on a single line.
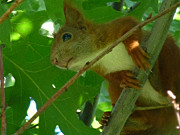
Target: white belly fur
[[119, 59], [150, 96], [116, 60]]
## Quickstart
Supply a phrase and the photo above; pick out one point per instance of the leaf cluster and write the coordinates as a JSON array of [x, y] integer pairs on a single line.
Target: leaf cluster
[[30, 75]]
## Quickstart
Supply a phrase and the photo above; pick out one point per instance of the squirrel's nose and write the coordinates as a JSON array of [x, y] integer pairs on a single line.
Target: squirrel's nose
[[54, 61], [58, 63]]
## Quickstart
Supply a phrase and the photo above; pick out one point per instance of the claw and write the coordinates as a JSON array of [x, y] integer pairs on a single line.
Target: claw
[[105, 119], [129, 80], [140, 58]]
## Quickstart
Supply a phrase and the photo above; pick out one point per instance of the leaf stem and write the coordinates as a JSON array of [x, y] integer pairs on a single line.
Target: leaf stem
[[3, 106], [7, 13]]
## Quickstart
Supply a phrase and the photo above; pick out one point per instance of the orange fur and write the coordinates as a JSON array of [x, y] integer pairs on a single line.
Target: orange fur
[[89, 38]]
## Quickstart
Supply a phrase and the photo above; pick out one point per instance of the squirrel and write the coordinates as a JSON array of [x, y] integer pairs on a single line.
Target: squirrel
[[80, 41]]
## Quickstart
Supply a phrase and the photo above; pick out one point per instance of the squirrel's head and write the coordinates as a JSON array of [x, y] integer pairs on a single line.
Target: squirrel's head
[[74, 43]]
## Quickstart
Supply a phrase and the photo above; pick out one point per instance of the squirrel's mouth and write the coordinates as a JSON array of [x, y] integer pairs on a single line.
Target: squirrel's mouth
[[63, 65], [68, 62]]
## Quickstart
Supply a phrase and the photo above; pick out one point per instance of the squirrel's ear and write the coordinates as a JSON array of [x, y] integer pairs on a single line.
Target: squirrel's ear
[[74, 17]]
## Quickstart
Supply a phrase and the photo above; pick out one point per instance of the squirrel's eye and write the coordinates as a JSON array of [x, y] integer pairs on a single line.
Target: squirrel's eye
[[66, 37]]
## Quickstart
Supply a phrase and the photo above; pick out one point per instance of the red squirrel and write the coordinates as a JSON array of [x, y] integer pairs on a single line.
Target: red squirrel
[[80, 40]]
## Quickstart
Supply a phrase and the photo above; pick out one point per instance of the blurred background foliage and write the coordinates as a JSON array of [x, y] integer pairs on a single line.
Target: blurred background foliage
[[29, 74]]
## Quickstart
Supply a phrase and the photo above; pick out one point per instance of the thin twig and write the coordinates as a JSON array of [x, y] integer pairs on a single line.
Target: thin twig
[[7, 13], [176, 108], [152, 107], [3, 106], [87, 66]]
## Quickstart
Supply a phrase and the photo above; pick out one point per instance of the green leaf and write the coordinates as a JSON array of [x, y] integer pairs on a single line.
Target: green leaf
[[5, 28], [55, 10], [91, 4], [29, 73], [31, 5], [27, 59], [9, 81], [139, 11], [102, 14]]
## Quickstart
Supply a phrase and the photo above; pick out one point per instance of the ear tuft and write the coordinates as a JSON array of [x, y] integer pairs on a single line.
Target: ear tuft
[[73, 16]]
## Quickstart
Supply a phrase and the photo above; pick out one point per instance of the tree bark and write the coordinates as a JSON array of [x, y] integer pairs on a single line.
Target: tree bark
[[126, 102]]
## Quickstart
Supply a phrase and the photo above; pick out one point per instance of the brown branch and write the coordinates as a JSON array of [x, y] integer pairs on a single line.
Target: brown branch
[[3, 106], [152, 107], [7, 13], [87, 66], [126, 102], [176, 108]]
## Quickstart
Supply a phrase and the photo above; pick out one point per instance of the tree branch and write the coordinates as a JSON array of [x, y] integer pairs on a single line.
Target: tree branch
[[87, 66], [7, 13], [3, 106], [126, 102]]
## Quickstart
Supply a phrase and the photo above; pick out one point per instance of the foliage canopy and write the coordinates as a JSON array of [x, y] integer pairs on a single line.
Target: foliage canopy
[[30, 75]]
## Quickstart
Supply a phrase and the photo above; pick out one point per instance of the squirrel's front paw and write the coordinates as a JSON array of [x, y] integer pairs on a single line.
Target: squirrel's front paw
[[105, 119], [129, 80], [124, 79], [140, 57]]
